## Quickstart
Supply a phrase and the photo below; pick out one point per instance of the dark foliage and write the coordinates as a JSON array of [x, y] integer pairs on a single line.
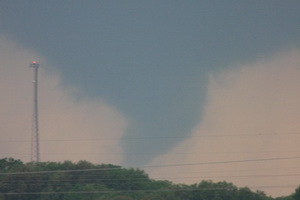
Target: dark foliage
[[86, 181]]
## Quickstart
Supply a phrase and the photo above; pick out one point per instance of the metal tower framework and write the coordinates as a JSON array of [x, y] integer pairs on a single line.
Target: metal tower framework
[[35, 145]]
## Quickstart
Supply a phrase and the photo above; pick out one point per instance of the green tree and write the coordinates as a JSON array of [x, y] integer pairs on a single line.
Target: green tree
[[122, 198], [296, 195]]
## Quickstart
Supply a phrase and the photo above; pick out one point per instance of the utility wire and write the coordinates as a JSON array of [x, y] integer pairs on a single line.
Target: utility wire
[[139, 180], [157, 166], [136, 191], [175, 153], [61, 171], [159, 137], [222, 162]]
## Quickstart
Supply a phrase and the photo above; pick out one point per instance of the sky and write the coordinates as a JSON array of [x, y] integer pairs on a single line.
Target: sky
[[154, 83]]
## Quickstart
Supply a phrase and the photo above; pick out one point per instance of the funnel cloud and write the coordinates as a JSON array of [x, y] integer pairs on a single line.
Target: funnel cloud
[[252, 113]]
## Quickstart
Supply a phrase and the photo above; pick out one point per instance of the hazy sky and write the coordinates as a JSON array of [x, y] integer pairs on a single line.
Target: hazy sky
[[142, 83]]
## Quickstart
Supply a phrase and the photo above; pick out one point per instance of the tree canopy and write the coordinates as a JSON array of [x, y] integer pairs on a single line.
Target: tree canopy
[[87, 181]]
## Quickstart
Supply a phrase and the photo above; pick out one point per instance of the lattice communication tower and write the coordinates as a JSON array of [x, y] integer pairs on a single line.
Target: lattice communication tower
[[35, 144]]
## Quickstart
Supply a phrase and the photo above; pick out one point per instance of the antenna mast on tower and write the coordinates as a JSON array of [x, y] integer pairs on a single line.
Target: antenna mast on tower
[[35, 146]]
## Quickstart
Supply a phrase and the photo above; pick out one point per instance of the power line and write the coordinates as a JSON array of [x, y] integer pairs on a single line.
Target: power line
[[160, 137], [170, 176], [157, 166], [142, 190], [140, 180], [61, 171], [238, 170], [222, 162], [148, 153]]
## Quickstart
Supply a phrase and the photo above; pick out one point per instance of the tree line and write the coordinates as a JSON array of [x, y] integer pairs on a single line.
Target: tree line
[[87, 181]]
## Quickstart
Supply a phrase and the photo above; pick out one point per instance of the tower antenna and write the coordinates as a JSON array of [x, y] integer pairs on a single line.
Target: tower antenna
[[35, 145]]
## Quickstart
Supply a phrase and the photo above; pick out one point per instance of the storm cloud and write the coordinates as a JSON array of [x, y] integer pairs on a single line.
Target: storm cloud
[[71, 128]]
